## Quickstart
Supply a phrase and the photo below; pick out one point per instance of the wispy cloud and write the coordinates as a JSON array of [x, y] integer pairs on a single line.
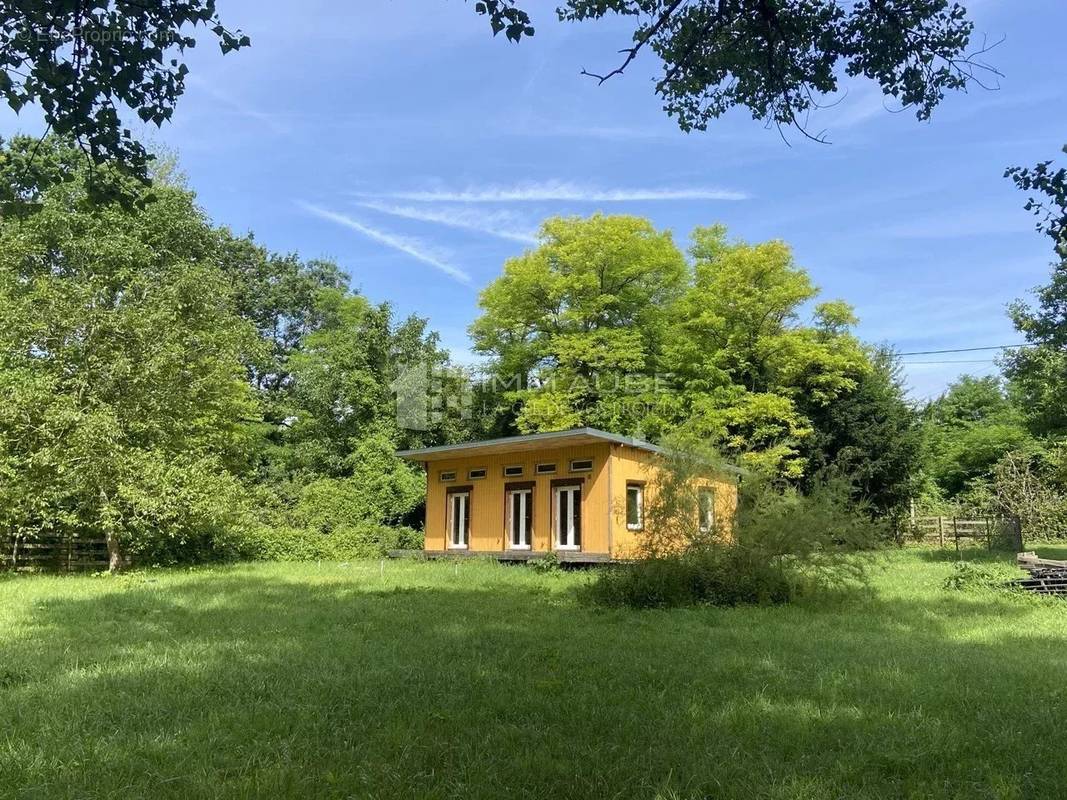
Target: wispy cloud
[[404, 244], [559, 191], [496, 223], [270, 121]]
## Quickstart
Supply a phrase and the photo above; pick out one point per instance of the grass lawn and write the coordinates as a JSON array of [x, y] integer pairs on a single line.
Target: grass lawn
[[428, 680]]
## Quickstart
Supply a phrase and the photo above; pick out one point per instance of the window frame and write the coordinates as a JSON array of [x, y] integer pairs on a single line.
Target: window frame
[[510, 489], [540, 469], [558, 487], [640, 487], [453, 492], [520, 467], [704, 524], [443, 475], [472, 477], [588, 461]]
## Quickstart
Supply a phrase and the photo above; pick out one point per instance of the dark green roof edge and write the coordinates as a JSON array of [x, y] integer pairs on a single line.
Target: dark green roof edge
[[536, 437], [547, 436]]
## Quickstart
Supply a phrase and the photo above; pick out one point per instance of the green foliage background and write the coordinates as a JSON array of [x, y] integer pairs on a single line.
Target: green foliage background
[[189, 395]]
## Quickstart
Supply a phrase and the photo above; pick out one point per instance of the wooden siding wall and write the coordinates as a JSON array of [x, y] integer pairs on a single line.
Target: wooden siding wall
[[633, 464], [488, 531]]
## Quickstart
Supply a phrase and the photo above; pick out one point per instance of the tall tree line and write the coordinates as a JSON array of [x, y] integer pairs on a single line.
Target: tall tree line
[[175, 387]]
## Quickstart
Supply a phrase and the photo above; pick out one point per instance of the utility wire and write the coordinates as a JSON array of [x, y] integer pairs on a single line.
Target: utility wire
[[955, 361], [964, 350]]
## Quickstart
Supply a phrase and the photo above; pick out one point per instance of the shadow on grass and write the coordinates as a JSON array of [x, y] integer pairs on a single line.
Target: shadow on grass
[[238, 685]]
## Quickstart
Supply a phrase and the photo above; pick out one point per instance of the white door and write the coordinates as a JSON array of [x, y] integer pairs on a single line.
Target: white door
[[520, 515], [458, 519], [568, 508]]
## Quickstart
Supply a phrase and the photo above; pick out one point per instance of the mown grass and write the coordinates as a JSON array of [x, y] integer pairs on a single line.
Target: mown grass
[[430, 680]]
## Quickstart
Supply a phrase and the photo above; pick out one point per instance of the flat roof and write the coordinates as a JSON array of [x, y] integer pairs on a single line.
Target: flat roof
[[531, 441]]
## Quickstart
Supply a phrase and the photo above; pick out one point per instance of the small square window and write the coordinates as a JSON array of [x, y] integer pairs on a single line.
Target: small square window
[[582, 465], [450, 475], [513, 472], [475, 474], [546, 469]]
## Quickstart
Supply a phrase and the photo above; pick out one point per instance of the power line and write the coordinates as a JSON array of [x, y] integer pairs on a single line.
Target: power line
[[964, 350], [955, 361]]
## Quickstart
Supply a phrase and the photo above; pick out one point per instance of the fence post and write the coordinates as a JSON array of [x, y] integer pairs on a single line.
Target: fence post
[[956, 536], [941, 532], [989, 534]]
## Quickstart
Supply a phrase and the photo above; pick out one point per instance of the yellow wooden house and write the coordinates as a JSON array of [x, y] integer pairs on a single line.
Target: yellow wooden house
[[580, 493]]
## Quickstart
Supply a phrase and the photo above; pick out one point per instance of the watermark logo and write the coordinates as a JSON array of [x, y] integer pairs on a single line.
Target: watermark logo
[[426, 394]]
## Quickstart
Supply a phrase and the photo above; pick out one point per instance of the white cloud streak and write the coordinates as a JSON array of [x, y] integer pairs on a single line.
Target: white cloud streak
[[558, 191], [271, 121], [495, 223], [403, 244]]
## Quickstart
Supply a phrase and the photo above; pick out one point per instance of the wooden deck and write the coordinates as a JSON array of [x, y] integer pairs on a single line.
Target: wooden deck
[[565, 556]]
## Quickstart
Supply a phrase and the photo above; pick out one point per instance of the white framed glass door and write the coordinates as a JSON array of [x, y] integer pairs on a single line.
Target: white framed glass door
[[567, 502], [459, 519], [520, 518]]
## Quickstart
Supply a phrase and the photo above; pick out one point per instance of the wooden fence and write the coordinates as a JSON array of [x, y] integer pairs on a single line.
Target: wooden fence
[[54, 554], [989, 532]]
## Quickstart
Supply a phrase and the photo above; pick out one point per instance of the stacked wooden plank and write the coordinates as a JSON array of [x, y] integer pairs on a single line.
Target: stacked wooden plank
[[1046, 575]]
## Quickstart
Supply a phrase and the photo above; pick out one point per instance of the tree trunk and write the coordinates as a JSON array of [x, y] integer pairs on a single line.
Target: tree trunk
[[116, 561]]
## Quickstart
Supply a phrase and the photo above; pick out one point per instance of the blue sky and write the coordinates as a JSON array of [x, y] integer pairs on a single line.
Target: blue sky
[[400, 139]]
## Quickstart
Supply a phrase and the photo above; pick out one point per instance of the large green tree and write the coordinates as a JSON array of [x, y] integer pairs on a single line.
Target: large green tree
[[607, 324], [869, 434], [742, 357], [126, 406], [571, 322], [967, 430]]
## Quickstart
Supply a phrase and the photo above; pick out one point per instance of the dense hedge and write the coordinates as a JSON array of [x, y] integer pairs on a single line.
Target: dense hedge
[[364, 540]]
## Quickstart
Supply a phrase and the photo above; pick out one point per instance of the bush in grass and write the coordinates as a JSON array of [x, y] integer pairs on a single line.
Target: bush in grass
[[548, 563], [721, 576], [342, 543], [779, 541], [967, 575]]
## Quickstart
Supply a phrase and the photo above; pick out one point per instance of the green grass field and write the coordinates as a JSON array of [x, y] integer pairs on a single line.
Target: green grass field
[[428, 680]]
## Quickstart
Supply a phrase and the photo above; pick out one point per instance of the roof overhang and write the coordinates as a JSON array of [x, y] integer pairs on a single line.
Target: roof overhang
[[574, 437]]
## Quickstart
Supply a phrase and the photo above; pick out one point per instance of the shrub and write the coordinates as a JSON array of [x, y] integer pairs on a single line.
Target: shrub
[[781, 539], [344, 542], [815, 535], [967, 575], [721, 576], [548, 563]]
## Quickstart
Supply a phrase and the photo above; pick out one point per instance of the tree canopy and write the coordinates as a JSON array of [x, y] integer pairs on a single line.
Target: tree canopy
[[84, 62], [126, 409], [778, 59], [608, 323], [183, 391]]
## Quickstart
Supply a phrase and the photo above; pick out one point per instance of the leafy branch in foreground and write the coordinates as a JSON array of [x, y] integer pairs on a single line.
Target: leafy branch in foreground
[[83, 62], [1052, 183], [777, 58]]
